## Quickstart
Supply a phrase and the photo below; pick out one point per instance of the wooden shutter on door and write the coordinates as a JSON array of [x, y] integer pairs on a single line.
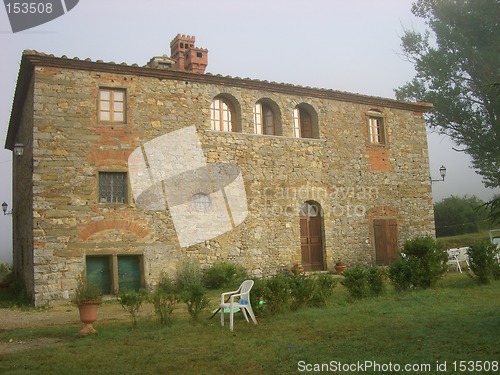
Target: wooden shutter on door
[[386, 241]]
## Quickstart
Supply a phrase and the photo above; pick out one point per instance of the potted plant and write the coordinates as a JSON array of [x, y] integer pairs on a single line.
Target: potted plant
[[88, 297], [297, 268], [340, 266]]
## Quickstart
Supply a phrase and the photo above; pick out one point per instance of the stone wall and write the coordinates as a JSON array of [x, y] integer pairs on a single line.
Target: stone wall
[[351, 180], [22, 182]]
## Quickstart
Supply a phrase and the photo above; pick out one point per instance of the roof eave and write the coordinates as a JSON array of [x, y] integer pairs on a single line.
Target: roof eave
[[33, 58]]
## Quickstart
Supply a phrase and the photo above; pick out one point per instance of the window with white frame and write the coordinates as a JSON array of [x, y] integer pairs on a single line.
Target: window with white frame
[[376, 128], [264, 122], [302, 123], [112, 105], [221, 115], [113, 187]]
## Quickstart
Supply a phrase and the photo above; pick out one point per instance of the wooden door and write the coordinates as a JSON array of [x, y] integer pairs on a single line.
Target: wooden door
[[386, 241], [311, 237]]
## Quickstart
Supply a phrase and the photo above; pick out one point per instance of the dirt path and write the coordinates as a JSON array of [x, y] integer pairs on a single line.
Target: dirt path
[[62, 314], [58, 315]]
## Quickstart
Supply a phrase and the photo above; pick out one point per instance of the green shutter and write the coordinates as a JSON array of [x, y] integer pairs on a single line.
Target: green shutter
[[98, 273], [129, 273]]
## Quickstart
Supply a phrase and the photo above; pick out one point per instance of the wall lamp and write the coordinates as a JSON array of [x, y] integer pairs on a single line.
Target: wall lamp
[[18, 149], [4, 209], [442, 172]]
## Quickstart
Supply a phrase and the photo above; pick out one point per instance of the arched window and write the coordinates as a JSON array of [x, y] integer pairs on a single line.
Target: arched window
[[302, 123], [221, 115], [264, 119]]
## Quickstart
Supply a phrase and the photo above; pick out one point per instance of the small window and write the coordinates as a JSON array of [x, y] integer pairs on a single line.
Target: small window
[[199, 54], [264, 122], [221, 115], [112, 105], [113, 187], [302, 123], [376, 128], [201, 201]]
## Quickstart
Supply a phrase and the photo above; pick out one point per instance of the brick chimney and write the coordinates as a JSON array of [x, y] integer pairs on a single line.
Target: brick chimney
[[186, 56]]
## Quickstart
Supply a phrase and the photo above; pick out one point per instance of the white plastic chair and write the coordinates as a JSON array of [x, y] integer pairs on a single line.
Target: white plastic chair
[[463, 256], [453, 255], [239, 300]]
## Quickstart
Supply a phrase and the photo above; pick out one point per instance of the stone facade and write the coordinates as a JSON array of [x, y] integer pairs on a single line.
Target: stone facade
[[59, 222]]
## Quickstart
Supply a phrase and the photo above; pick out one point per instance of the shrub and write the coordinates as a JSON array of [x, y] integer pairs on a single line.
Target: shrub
[[164, 300], [423, 264], [257, 296], [223, 275], [302, 290], [283, 292], [323, 290], [356, 281], [5, 272], [376, 277], [427, 261], [400, 274], [131, 302], [277, 294], [188, 274], [195, 297], [15, 295], [483, 262]]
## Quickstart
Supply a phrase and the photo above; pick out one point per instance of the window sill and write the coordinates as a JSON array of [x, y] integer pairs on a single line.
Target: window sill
[[282, 137]]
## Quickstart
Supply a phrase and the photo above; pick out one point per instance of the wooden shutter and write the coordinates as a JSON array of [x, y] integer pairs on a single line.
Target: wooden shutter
[[386, 241]]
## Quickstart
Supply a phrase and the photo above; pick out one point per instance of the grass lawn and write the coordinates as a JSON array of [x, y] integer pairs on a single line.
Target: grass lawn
[[463, 240], [456, 321]]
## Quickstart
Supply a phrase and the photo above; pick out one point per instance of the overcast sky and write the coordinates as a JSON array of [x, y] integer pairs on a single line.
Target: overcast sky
[[344, 45]]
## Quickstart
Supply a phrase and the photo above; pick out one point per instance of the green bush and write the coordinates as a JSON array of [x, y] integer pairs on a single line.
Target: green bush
[[5, 272], [195, 297], [277, 294], [302, 289], [164, 300], [376, 277], [15, 295], [400, 274], [428, 261], [131, 302], [323, 290], [423, 264], [188, 274], [356, 281], [257, 297], [284, 292], [224, 275], [483, 262]]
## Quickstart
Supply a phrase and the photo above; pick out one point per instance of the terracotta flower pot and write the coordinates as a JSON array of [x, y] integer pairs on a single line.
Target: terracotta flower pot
[[340, 269], [88, 315], [297, 271]]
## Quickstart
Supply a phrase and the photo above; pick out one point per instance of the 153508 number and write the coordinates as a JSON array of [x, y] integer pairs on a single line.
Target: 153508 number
[[29, 8]]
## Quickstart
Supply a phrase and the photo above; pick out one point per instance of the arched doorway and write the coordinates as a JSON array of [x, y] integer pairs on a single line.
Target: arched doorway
[[311, 236]]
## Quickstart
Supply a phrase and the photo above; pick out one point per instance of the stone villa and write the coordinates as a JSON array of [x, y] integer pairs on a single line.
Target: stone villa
[[116, 180]]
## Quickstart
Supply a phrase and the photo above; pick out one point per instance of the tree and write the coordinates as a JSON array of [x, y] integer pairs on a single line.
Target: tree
[[458, 70], [455, 215]]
